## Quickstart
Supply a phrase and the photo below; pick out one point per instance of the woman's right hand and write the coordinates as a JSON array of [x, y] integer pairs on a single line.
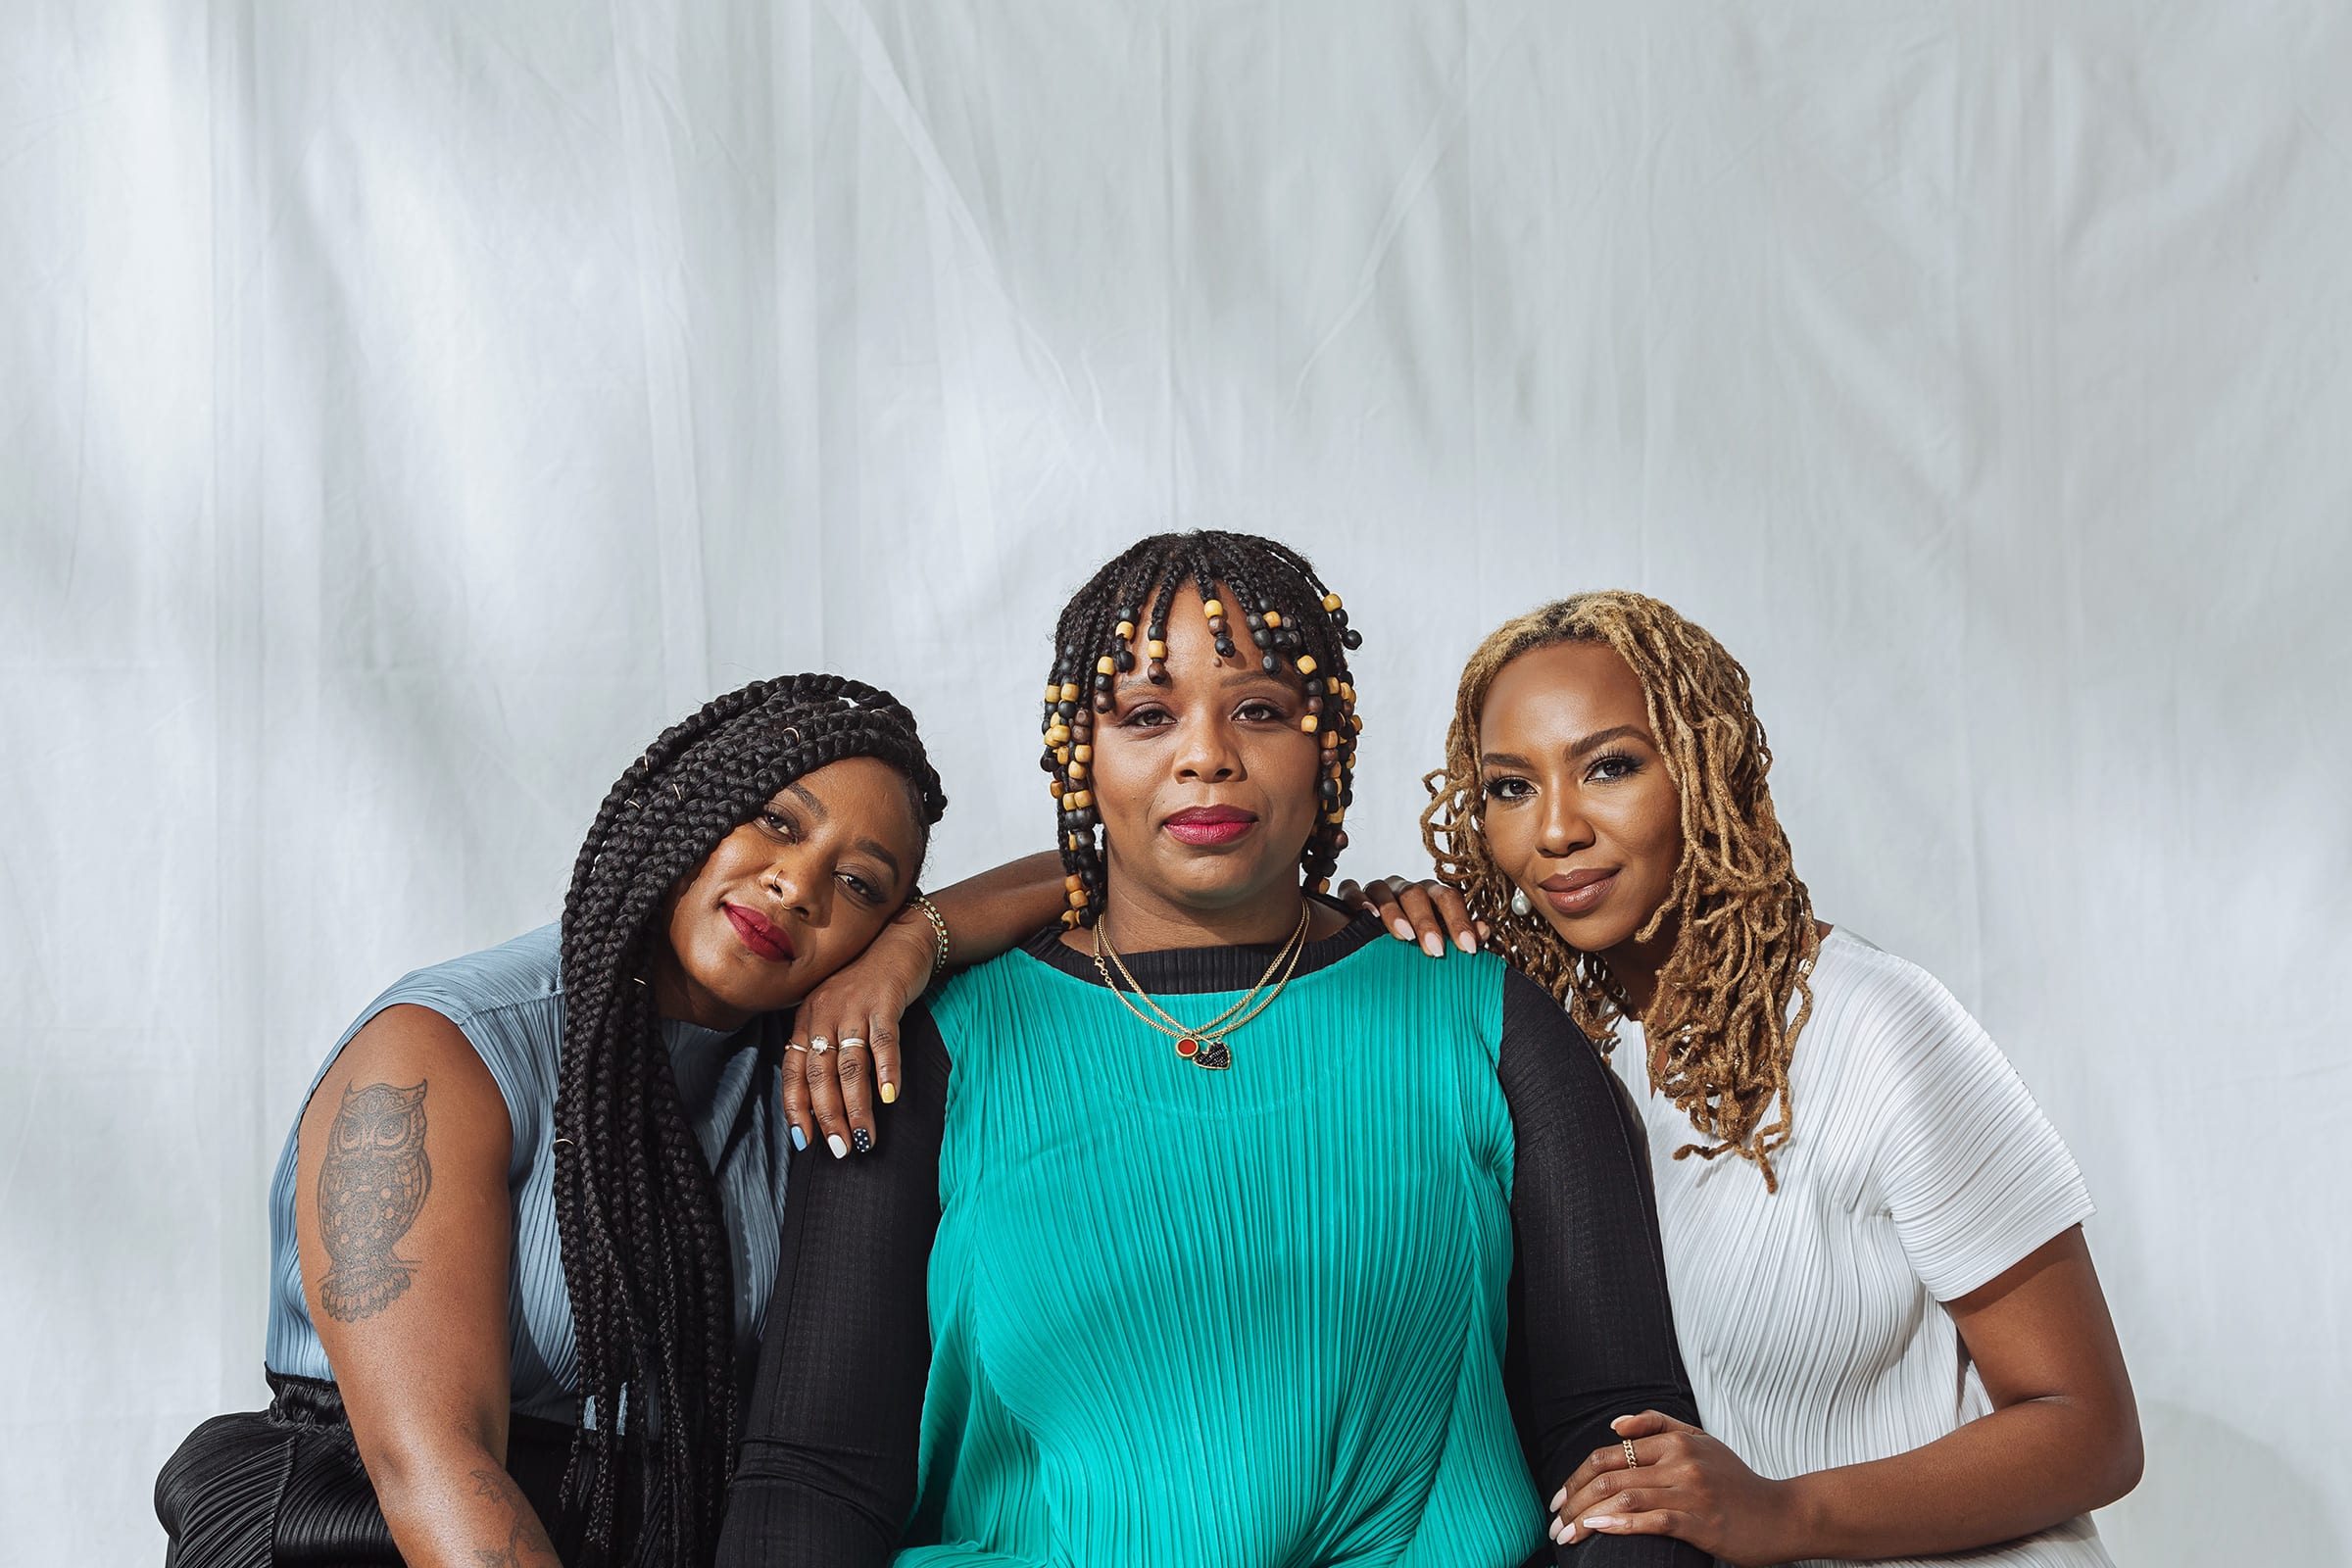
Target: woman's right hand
[[829, 1095], [1426, 912]]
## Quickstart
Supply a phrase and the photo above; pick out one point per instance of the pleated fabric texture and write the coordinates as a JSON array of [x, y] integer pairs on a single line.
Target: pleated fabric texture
[[284, 1485], [508, 1003], [1285, 1280], [1920, 1168]]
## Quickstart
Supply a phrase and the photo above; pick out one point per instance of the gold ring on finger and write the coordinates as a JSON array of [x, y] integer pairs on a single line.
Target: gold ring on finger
[[794, 1044], [1631, 1462], [819, 1045], [847, 1040]]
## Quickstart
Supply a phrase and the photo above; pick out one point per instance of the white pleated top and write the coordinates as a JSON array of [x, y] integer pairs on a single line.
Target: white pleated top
[[1918, 1169]]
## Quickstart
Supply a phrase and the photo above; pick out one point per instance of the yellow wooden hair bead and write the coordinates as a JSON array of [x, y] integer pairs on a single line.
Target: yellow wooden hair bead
[[1080, 801], [1358, 720], [1057, 735], [1306, 663], [1053, 691], [1077, 771], [1307, 723], [1082, 752], [1126, 632], [1070, 691], [1073, 882], [1054, 788], [1273, 619], [1331, 602], [1215, 606], [1155, 649], [1070, 917], [1331, 740], [1077, 897], [1105, 664], [1061, 754], [1336, 817], [1322, 884]]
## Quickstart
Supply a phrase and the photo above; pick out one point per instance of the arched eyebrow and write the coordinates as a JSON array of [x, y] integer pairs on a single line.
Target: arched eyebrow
[[884, 855], [1590, 742]]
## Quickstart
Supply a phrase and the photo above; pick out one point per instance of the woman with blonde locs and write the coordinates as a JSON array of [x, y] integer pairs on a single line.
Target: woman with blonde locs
[[1213, 1232], [1896, 1207]]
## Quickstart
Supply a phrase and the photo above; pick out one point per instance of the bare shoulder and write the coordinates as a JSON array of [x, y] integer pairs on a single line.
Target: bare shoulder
[[410, 1054]]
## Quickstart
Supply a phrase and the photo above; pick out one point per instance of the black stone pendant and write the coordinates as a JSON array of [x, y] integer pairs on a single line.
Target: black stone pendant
[[1213, 1055]]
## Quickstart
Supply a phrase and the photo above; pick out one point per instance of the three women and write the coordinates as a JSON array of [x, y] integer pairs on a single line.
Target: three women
[[1166, 1319]]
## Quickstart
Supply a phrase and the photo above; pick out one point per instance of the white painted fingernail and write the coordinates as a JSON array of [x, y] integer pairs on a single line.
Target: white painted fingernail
[[1602, 1521], [1433, 945], [1465, 941], [1403, 929], [838, 1145]]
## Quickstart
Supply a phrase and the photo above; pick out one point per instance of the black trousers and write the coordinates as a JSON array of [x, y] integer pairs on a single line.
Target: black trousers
[[284, 1485]]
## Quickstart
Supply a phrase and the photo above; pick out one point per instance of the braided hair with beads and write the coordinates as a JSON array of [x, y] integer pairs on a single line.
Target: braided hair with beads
[[1121, 619], [645, 1252]]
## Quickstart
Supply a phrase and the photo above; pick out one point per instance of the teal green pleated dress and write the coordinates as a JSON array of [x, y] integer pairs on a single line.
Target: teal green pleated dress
[[1241, 1319]]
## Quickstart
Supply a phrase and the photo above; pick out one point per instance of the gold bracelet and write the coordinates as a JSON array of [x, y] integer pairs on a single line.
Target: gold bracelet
[[939, 924]]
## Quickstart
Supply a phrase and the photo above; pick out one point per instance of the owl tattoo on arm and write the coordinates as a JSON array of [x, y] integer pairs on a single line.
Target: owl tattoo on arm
[[371, 1185]]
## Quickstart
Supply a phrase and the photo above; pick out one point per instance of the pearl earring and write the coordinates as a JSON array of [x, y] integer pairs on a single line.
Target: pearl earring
[[1519, 904]]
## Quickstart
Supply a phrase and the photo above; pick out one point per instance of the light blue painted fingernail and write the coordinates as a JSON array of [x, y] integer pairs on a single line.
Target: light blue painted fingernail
[[799, 1138]]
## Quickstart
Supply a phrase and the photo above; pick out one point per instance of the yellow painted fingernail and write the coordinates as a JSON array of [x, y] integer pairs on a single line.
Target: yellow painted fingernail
[[890, 1094]]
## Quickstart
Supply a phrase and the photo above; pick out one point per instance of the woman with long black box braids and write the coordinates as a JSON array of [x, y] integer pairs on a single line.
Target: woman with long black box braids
[[523, 1232]]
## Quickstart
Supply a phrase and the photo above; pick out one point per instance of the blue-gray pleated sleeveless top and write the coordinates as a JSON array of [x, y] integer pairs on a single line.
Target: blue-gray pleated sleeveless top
[[509, 1001]]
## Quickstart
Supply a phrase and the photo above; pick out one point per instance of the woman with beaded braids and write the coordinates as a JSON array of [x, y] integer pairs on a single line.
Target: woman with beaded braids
[[524, 1231], [1897, 1339], [1213, 1232]]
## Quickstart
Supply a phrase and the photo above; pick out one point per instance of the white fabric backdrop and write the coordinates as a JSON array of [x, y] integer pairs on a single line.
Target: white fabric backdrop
[[405, 410]]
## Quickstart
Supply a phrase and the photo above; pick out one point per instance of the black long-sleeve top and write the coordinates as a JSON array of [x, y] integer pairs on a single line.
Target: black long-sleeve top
[[827, 1471]]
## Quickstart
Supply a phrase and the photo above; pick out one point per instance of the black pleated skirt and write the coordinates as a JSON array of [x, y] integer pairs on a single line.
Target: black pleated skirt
[[284, 1485]]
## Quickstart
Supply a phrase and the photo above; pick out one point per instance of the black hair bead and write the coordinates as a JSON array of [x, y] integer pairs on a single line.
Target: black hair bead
[[1101, 683], [1124, 661], [1225, 648], [1269, 663], [1262, 637], [1315, 685], [1066, 711], [1103, 702], [1254, 620], [1352, 637]]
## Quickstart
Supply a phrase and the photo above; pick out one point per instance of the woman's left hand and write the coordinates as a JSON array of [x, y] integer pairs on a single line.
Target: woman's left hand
[[1688, 1485], [829, 1095]]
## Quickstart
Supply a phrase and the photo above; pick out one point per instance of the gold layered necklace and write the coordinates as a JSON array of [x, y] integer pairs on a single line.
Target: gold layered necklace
[[1204, 1047]]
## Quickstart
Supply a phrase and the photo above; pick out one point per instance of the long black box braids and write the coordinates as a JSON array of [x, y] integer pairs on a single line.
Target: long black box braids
[[646, 1258]]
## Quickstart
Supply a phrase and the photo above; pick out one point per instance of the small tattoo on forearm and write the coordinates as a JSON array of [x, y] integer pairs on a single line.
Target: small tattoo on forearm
[[371, 1185], [528, 1546]]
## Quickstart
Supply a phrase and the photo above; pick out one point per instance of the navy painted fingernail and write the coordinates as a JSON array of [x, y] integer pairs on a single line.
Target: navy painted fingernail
[[862, 1141], [799, 1138]]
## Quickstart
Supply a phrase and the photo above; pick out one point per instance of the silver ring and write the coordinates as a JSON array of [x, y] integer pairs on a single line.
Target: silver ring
[[847, 1040], [794, 1044], [819, 1044]]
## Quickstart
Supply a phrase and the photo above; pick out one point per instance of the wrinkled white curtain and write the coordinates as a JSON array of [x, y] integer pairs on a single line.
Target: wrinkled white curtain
[[407, 409]]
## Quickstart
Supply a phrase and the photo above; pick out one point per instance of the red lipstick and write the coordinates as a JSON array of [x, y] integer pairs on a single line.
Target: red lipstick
[[759, 934], [1578, 891], [1209, 826]]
